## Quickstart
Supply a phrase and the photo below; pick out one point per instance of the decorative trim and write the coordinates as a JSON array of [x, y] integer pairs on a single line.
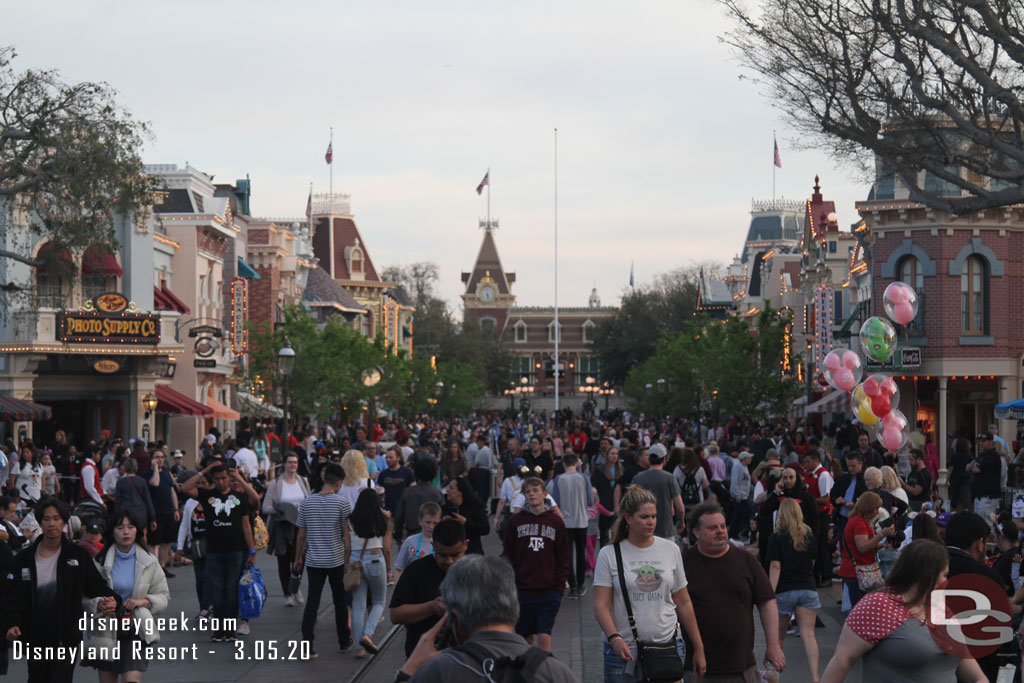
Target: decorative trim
[[976, 246], [976, 339], [908, 248]]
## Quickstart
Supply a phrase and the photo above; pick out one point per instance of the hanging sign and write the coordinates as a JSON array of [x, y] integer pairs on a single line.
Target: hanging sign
[[106, 366], [108, 319], [239, 335]]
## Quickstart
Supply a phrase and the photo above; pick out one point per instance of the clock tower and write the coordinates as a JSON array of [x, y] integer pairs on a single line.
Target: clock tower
[[488, 294]]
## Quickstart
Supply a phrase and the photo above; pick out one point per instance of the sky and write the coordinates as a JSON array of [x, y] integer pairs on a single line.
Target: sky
[[660, 145]]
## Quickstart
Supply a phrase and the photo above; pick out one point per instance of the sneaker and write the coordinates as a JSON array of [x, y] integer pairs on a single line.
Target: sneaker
[[347, 647], [289, 601], [168, 574], [243, 628], [573, 594], [299, 597], [216, 638], [581, 591], [312, 654]]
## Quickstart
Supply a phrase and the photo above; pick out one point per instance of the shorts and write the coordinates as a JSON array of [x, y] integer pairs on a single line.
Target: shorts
[[537, 612], [790, 600], [166, 530]]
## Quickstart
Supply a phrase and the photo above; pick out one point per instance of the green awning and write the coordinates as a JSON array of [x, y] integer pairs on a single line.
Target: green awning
[[860, 308], [247, 271]]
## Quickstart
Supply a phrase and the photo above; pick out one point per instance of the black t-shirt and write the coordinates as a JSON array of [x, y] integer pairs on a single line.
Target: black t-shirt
[[985, 484], [958, 463], [797, 572], [393, 483], [163, 502], [223, 513], [419, 583], [628, 473], [923, 478]]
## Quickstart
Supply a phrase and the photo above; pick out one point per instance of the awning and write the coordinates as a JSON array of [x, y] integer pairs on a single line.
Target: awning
[[177, 403], [165, 300], [61, 257], [1014, 410], [251, 405], [15, 410], [798, 408], [99, 260], [247, 271], [221, 411], [837, 401]]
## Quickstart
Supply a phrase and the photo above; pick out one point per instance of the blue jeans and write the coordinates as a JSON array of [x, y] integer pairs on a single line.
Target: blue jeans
[[375, 580], [615, 666], [221, 575]]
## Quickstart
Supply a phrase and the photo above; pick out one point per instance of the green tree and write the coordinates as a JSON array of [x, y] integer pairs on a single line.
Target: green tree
[[70, 153]]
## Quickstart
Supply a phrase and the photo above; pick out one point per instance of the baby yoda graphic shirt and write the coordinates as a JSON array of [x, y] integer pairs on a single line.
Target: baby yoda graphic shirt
[[223, 514], [653, 574]]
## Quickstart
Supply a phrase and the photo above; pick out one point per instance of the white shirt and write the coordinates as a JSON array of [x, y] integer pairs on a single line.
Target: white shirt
[[109, 480], [246, 458]]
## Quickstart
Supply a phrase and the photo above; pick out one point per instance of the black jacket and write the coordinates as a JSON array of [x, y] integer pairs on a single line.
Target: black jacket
[[77, 578], [843, 483]]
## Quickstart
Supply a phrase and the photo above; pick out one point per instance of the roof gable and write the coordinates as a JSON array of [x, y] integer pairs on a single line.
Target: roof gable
[[488, 264], [333, 244]]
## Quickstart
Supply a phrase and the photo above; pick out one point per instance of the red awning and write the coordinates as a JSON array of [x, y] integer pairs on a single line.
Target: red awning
[[175, 304], [100, 261], [16, 410], [177, 403], [61, 256]]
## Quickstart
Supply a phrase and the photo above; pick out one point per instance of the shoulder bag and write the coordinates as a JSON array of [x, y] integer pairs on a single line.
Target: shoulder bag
[[869, 576], [354, 571], [655, 661]]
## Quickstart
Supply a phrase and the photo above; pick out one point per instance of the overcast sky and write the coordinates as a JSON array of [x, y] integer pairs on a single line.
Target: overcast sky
[[660, 145]]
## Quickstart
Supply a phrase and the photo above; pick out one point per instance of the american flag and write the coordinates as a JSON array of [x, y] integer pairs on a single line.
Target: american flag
[[309, 206], [485, 182], [778, 157], [329, 156]]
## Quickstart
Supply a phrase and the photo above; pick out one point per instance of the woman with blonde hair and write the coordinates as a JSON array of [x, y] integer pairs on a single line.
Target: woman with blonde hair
[[891, 483], [651, 567], [791, 551], [357, 477]]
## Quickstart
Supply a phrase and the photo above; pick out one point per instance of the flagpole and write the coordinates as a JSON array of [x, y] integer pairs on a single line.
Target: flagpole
[[558, 331], [488, 198], [775, 142], [309, 218], [331, 164]]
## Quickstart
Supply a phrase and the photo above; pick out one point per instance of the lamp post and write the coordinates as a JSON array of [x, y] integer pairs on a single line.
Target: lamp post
[[285, 364], [149, 402]]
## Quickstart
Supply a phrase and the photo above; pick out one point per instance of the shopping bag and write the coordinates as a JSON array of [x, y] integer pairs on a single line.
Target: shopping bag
[[252, 593]]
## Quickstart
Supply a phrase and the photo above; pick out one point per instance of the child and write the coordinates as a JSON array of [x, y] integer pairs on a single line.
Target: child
[[592, 512], [421, 544]]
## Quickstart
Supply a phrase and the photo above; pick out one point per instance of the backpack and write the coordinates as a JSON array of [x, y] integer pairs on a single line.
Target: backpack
[[504, 669], [691, 490]]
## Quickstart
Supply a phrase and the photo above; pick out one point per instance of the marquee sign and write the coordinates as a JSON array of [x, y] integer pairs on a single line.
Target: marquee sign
[[108, 319]]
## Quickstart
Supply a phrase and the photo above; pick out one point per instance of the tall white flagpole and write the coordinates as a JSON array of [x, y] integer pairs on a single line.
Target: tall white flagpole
[[488, 198], [558, 331]]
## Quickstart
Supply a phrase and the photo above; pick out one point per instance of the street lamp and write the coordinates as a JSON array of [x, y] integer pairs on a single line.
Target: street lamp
[[285, 365], [149, 402]]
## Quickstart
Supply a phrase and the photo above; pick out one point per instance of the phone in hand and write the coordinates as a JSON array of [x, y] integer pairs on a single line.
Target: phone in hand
[[447, 638], [890, 521]]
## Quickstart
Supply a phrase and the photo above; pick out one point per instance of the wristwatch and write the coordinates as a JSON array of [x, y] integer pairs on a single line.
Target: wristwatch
[[401, 676]]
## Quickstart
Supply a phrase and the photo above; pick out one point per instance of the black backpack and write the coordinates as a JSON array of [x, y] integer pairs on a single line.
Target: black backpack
[[504, 669], [691, 489]]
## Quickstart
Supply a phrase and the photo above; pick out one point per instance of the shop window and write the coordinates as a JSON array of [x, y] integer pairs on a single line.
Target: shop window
[[973, 296], [520, 332], [95, 284], [52, 289]]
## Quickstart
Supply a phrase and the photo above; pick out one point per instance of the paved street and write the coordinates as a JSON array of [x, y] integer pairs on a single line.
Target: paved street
[[576, 641]]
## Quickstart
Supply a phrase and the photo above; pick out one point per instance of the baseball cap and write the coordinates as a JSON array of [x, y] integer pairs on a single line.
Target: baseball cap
[[177, 454], [94, 527], [746, 455], [657, 452], [943, 518], [211, 438], [985, 436], [519, 462]]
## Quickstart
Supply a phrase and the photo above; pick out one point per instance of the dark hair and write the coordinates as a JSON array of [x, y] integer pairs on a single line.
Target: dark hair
[[449, 532], [467, 490], [5, 502], [332, 473], [217, 470], [570, 459], [962, 445], [533, 481], [964, 528], [925, 528], [706, 508], [368, 519], [291, 454], [1006, 528], [918, 569], [126, 514], [51, 502], [424, 469], [854, 455]]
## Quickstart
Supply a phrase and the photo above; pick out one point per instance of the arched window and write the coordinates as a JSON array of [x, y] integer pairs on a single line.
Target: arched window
[[973, 295], [54, 277], [357, 261], [520, 328], [588, 332], [910, 272]]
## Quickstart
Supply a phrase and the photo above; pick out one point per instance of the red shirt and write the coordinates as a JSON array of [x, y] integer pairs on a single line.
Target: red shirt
[[857, 526]]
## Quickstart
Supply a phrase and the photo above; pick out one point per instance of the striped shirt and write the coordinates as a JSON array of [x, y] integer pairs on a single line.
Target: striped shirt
[[324, 516]]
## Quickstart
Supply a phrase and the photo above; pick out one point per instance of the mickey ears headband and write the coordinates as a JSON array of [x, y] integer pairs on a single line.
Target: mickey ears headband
[[524, 470]]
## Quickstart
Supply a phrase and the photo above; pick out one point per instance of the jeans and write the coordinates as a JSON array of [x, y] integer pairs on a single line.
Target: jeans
[[317, 577], [577, 565], [615, 666], [985, 506], [375, 580], [198, 568], [221, 576], [854, 591]]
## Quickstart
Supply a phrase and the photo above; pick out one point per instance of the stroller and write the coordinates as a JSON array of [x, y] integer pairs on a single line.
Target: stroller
[[83, 514]]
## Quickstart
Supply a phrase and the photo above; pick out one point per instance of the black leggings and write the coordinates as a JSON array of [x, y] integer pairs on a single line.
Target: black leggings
[[577, 565], [284, 568]]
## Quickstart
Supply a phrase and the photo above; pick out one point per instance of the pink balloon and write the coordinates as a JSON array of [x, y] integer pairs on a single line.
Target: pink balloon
[[892, 438], [833, 362], [898, 292], [903, 312], [844, 379], [871, 387], [889, 386], [850, 360]]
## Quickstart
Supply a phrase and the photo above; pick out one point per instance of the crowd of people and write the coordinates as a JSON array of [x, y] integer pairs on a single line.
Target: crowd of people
[[684, 529]]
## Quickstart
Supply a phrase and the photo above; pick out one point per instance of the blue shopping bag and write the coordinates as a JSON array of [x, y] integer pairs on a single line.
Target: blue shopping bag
[[252, 593]]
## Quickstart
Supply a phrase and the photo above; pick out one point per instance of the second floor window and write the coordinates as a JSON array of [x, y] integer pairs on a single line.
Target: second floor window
[[973, 281]]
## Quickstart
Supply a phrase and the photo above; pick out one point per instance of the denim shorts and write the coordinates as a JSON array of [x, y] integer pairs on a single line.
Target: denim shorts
[[790, 600], [615, 667], [537, 612]]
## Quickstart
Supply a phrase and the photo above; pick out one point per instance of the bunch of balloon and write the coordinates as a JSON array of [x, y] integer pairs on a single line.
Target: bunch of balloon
[[878, 338], [892, 431], [900, 303], [874, 399], [843, 369]]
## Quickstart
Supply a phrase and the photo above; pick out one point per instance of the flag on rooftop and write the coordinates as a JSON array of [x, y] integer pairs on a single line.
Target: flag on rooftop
[[485, 182], [778, 157], [309, 205], [329, 156], [631, 274]]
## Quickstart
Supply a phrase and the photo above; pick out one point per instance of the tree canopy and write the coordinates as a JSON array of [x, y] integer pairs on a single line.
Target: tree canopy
[[725, 366], [933, 89], [70, 153]]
